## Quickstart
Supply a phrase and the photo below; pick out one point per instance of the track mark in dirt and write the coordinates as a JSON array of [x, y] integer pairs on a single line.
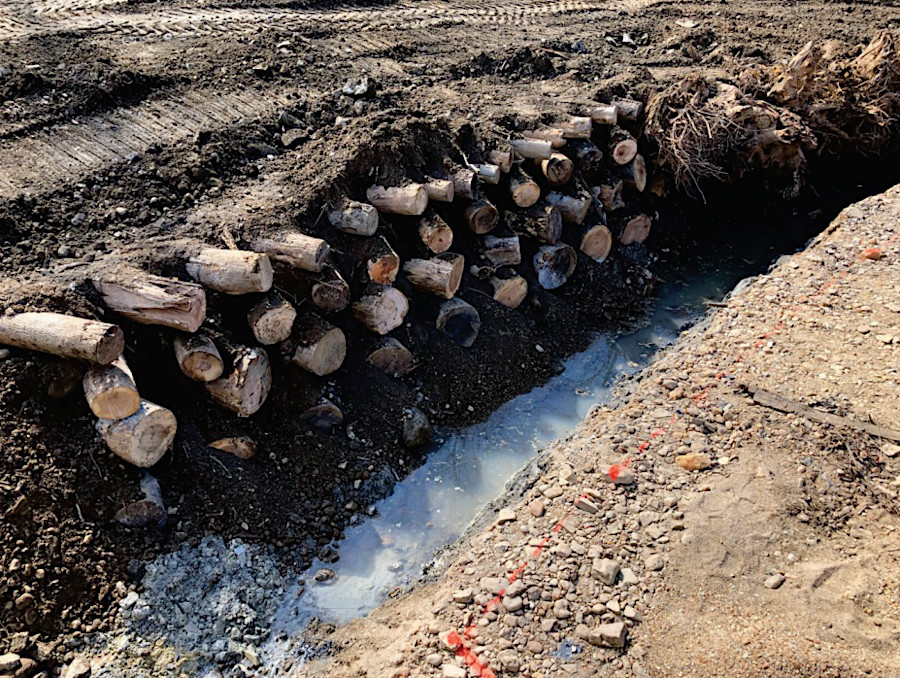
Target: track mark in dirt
[[57, 154]]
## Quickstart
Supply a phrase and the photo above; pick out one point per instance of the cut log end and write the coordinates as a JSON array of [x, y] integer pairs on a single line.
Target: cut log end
[[318, 346], [440, 276], [143, 438], [596, 242], [440, 190], [636, 230], [435, 234], [198, 357], [554, 264], [574, 210], [246, 386], [381, 310], [523, 189], [271, 319], [636, 173], [392, 358], [558, 169], [481, 216], [459, 321], [503, 160], [510, 292], [622, 146], [110, 390]]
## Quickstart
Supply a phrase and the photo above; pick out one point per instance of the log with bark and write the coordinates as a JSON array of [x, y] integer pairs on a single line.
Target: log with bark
[[440, 190], [152, 300], [231, 271], [628, 109], [440, 275], [558, 169], [481, 215], [634, 174], [464, 184], [110, 390], [609, 193], [392, 358], [510, 291], [554, 264], [316, 345], [578, 127], [502, 251], [355, 217], [622, 146], [198, 358], [595, 240], [245, 386], [379, 260], [573, 209], [535, 149], [553, 135], [295, 249], [587, 157], [604, 115], [487, 173], [381, 309], [523, 189], [636, 229], [540, 221], [327, 290], [503, 160], [271, 319], [410, 200], [143, 438], [63, 335], [459, 321], [435, 234]]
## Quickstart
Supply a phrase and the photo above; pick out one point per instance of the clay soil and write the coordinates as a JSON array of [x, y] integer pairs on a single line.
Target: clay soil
[[126, 127]]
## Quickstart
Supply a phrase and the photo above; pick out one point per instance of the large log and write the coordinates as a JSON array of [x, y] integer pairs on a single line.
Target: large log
[[540, 221], [535, 149], [622, 146], [558, 169], [573, 209], [381, 309], [143, 438], [271, 319], [198, 357], [153, 300], [634, 174], [316, 345], [554, 264], [586, 156], [459, 321], [481, 215], [410, 200], [327, 290], [503, 160], [578, 127], [440, 275], [355, 217], [231, 271], [435, 234], [604, 115], [245, 387], [523, 189], [380, 260], [441, 190], [392, 358], [502, 251], [63, 335], [636, 229], [295, 249], [609, 193], [510, 291], [596, 242], [110, 390]]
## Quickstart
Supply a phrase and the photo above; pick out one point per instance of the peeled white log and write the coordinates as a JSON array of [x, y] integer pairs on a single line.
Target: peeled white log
[[628, 109], [464, 183], [440, 275], [245, 387], [440, 190], [636, 230], [63, 335], [153, 300], [231, 271], [271, 319], [392, 358], [604, 115], [523, 189], [586, 156], [434, 232], [317, 346], [380, 260], [502, 251], [541, 221], [573, 209], [503, 160], [635, 174], [381, 309], [554, 264], [489, 174], [622, 146], [143, 438], [609, 193], [296, 249], [110, 390], [596, 242], [553, 135], [510, 292], [411, 199], [460, 321], [481, 215], [577, 127], [532, 148], [357, 218], [198, 357], [557, 168]]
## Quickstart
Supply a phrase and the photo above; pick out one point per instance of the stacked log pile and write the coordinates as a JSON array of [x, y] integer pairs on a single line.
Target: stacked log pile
[[527, 212]]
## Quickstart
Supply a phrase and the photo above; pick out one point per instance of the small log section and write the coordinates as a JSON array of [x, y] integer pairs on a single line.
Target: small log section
[[271, 319], [63, 335], [604, 115], [510, 292], [596, 242], [609, 193], [381, 309], [628, 109], [558, 169], [440, 190], [464, 183], [410, 200], [541, 221], [636, 230], [198, 357], [481, 215], [231, 271], [459, 321], [574, 210], [380, 260], [635, 174], [489, 174], [503, 160], [622, 146], [392, 358], [317, 346], [143, 438], [502, 251], [110, 390], [435, 234], [440, 276], [328, 290], [357, 218], [535, 149], [153, 300], [295, 249], [523, 189], [578, 127], [553, 135], [586, 156], [554, 264], [246, 386]]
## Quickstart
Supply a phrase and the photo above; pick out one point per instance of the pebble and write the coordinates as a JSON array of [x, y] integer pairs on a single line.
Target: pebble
[[629, 578], [464, 597], [506, 516], [561, 609], [655, 562], [536, 508], [324, 575], [775, 581], [512, 603], [694, 461], [434, 659], [608, 635], [586, 505], [624, 476], [605, 570], [416, 429]]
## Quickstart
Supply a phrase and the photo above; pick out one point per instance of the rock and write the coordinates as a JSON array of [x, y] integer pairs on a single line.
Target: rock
[[605, 570], [9, 662], [293, 138], [629, 578], [694, 461], [27, 668], [516, 588], [534, 647], [506, 516], [566, 475], [619, 475], [449, 639], [24, 601], [608, 635], [416, 429], [324, 575], [586, 505], [774, 581], [536, 508], [553, 492], [453, 671], [129, 601], [512, 603], [561, 609], [359, 87], [509, 660], [655, 562], [890, 450], [79, 668], [463, 597], [434, 659], [631, 613]]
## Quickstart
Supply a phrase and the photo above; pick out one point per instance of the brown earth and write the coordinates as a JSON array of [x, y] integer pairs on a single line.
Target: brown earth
[[125, 126]]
